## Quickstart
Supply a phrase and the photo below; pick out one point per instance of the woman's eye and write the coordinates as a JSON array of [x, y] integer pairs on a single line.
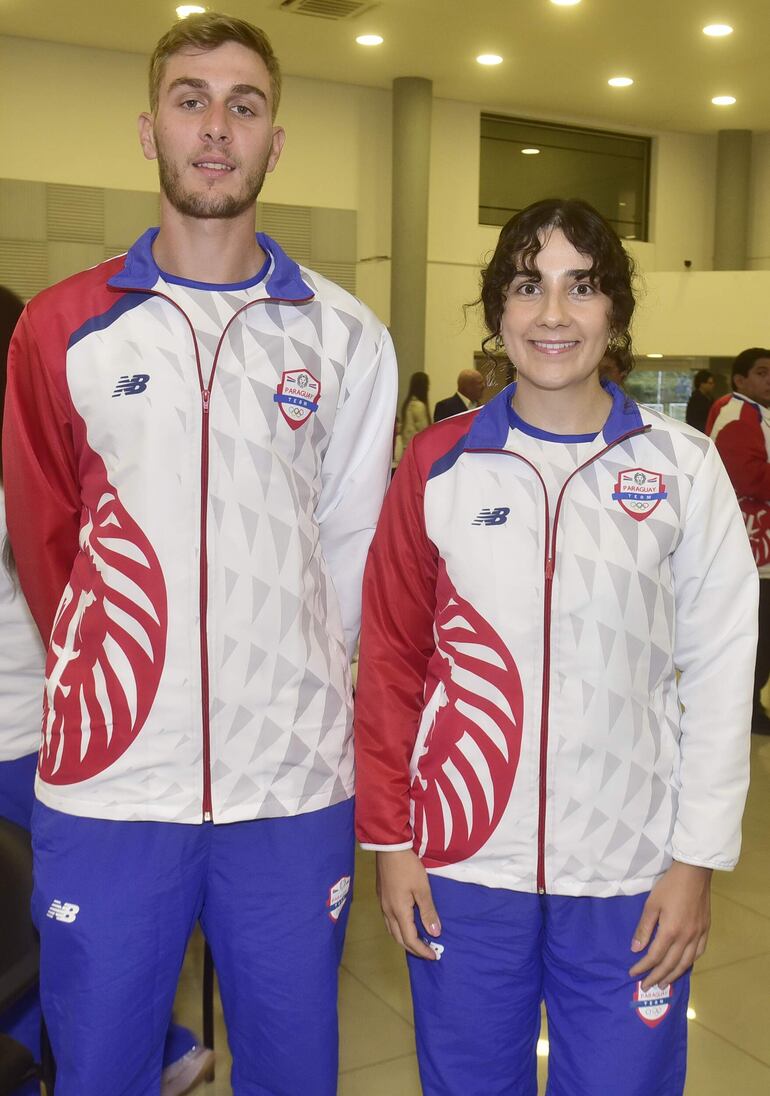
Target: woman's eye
[[527, 289], [584, 289]]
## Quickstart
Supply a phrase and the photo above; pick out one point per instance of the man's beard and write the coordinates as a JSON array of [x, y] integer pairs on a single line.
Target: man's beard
[[208, 204]]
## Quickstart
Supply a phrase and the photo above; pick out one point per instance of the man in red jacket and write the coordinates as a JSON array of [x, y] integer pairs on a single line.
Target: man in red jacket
[[740, 426]]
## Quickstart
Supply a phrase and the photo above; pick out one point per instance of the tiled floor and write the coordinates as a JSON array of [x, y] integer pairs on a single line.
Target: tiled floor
[[729, 1043]]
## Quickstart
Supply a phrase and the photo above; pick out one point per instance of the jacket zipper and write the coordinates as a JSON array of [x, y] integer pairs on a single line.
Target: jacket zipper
[[205, 390], [549, 569]]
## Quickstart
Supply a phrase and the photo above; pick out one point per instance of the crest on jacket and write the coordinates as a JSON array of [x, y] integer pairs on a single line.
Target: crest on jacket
[[297, 396], [639, 492]]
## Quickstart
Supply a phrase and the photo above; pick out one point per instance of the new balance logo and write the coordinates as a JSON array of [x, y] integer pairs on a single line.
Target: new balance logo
[[63, 911], [130, 386], [498, 516]]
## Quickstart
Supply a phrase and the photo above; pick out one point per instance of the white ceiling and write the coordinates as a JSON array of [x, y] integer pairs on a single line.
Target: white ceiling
[[557, 59]]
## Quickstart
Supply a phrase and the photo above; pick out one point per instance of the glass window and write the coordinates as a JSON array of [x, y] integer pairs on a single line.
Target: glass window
[[609, 170]]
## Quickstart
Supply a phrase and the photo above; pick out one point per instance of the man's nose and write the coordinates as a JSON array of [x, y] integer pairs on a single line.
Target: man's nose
[[216, 124]]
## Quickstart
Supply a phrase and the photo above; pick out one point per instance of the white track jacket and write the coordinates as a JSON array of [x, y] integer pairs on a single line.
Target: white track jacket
[[519, 722], [191, 542]]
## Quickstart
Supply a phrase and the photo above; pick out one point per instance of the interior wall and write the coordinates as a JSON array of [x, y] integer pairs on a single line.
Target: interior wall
[[83, 105]]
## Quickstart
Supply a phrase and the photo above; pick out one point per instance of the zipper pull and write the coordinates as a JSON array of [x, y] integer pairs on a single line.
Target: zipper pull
[[549, 568], [206, 396]]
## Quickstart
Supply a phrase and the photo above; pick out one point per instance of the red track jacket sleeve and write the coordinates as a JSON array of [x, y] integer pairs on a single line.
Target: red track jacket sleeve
[[741, 446], [396, 645], [40, 471]]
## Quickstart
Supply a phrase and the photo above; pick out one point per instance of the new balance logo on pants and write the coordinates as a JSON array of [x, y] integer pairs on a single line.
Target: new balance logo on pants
[[63, 911]]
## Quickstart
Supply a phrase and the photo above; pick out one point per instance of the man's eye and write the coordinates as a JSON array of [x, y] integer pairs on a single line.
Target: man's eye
[[243, 110], [190, 104]]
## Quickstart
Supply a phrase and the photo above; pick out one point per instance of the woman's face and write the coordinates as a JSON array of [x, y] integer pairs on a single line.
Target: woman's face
[[555, 324]]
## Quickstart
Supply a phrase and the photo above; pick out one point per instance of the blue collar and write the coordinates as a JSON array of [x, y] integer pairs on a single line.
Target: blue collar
[[492, 423], [140, 270]]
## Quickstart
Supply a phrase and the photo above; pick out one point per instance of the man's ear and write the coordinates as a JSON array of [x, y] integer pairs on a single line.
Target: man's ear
[[739, 383], [147, 136], [279, 136]]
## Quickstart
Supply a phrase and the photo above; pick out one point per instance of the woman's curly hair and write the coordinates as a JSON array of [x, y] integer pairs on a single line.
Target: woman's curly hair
[[522, 238]]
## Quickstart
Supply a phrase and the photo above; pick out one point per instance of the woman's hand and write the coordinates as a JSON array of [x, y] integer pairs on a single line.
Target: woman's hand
[[402, 884], [679, 906]]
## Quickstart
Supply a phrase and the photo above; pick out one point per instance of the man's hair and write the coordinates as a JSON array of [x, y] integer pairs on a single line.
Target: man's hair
[[747, 359], [701, 377], [206, 32], [522, 238]]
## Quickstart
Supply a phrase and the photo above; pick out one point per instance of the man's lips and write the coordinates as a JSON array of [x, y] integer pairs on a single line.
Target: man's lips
[[220, 167]]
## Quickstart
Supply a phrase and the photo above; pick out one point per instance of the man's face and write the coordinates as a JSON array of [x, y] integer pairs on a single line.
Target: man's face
[[707, 388], [213, 134], [756, 383]]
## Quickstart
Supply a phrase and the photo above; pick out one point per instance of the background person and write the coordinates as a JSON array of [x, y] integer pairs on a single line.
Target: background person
[[617, 362], [699, 403], [739, 424], [415, 413], [547, 801], [470, 387], [205, 469]]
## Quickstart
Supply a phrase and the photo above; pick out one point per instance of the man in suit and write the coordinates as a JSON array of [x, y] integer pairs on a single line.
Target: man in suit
[[470, 385]]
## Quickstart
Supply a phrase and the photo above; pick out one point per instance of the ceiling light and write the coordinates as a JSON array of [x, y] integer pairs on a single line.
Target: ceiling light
[[370, 40], [565, 3], [654, 355], [489, 59], [530, 152], [691, 1014], [542, 1048], [723, 100], [717, 30], [189, 9], [620, 82]]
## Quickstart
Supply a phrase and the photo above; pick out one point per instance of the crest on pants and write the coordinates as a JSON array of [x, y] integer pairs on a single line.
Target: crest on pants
[[297, 396], [338, 896], [652, 1005], [639, 492]]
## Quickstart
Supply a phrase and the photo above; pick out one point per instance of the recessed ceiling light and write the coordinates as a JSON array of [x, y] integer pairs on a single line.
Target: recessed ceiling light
[[542, 1048], [189, 9], [691, 1014], [723, 100], [654, 355], [370, 40], [530, 152], [620, 82], [718, 30], [489, 59], [565, 3]]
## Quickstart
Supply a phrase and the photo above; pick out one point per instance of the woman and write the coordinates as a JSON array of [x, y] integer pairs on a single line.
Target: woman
[[415, 415], [546, 814], [22, 667]]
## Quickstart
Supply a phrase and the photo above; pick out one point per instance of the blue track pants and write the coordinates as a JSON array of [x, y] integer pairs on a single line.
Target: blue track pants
[[115, 903], [477, 1010]]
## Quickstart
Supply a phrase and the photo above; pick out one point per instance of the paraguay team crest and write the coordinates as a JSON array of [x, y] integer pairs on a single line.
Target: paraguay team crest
[[297, 396], [338, 896], [652, 1005], [639, 492]]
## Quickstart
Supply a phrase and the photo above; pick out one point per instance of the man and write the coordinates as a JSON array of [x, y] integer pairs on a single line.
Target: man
[[740, 427], [197, 445], [699, 403], [470, 385]]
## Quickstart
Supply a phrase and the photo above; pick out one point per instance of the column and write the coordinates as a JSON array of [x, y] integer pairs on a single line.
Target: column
[[731, 208], [412, 108]]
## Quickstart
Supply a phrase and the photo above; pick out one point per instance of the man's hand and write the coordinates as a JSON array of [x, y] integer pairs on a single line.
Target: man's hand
[[402, 884], [679, 907]]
